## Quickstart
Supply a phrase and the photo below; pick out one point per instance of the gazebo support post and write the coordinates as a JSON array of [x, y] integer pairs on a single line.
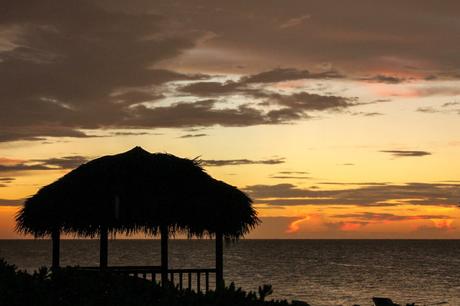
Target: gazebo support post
[[219, 261], [103, 248], [56, 239], [164, 255]]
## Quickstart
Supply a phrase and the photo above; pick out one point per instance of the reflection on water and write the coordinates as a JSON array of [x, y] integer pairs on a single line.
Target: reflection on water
[[322, 272]]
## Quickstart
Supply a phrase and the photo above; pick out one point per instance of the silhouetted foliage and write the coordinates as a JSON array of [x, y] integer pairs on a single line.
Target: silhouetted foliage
[[72, 287], [265, 291]]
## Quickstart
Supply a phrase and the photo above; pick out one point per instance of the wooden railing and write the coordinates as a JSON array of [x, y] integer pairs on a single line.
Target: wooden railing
[[187, 275], [192, 279]]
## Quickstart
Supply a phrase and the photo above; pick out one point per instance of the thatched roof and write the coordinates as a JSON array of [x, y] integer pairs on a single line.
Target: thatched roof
[[138, 191]]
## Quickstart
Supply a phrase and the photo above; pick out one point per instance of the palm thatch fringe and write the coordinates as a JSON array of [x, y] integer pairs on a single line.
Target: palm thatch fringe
[[138, 191]]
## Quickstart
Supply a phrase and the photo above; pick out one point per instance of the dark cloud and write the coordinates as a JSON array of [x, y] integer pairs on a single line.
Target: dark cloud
[[136, 96], [449, 104], [98, 66], [286, 114], [292, 107], [367, 114], [237, 162], [90, 66], [294, 104], [195, 129], [304, 101], [5, 181], [446, 108], [360, 37], [211, 88], [23, 167], [288, 74], [200, 113], [193, 135], [133, 133], [15, 202], [38, 132], [378, 194], [205, 113], [429, 110], [406, 153], [81, 68], [67, 162], [431, 77], [242, 85], [388, 79]]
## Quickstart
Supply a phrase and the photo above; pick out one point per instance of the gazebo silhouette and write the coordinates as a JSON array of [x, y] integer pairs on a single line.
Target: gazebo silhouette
[[138, 191]]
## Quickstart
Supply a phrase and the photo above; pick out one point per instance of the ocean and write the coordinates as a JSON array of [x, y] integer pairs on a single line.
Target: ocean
[[320, 272]]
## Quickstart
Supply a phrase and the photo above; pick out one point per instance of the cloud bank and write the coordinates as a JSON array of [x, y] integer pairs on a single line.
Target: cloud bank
[[369, 195]]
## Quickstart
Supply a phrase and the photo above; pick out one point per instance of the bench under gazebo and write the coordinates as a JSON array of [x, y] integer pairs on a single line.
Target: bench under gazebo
[[138, 191]]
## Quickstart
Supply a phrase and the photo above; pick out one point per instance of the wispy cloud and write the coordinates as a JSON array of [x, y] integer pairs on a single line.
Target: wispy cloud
[[288, 74], [388, 79], [5, 181], [66, 162], [369, 194], [295, 21], [406, 153], [8, 202], [299, 175], [193, 135], [429, 109], [381, 217], [238, 162], [133, 133], [367, 114]]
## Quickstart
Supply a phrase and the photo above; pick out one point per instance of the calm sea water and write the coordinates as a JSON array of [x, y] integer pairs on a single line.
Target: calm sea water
[[321, 272]]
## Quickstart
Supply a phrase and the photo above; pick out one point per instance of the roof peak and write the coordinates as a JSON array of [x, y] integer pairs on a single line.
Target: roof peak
[[139, 149]]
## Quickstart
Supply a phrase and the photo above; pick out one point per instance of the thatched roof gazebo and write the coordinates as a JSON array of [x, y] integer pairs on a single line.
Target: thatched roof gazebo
[[138, 191]]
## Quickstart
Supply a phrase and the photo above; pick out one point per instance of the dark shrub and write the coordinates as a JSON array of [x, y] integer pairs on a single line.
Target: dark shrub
[[73, 287]]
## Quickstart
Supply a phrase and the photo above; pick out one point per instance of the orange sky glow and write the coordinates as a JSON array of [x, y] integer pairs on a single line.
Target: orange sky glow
[[335, 129]]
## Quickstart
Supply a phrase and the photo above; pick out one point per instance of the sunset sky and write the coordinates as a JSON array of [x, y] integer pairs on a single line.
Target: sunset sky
[[341, 119]]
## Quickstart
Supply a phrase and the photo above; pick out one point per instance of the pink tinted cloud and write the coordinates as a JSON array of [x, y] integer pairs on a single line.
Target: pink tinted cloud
[[350, 226], [294, 226]]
